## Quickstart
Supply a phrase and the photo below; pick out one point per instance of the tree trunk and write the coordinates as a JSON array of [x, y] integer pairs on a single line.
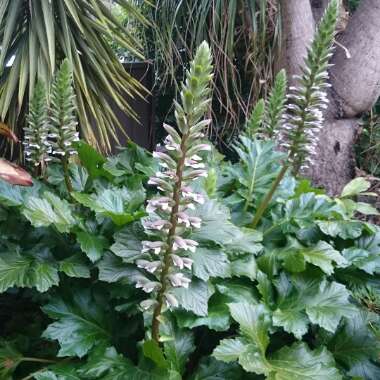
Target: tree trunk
[[298, 32], [335, 165], [355, 79]]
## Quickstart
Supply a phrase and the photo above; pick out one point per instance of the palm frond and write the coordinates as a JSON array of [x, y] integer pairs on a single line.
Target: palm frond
[[35, 35]]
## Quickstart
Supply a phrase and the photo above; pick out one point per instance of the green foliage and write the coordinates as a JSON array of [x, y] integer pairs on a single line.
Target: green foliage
[[297, 298]]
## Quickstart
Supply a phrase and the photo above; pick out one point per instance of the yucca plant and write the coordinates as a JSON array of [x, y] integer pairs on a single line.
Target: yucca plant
[[35, 35], [165, 254], [298, 134]]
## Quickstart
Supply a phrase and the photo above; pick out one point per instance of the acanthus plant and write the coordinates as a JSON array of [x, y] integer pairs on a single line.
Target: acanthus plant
[[52, 125], [165, 254], [307, 101]]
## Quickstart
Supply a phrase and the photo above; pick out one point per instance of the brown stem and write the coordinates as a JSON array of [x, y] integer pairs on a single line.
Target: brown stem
[[173, 221], [38, 360], [66, 174]]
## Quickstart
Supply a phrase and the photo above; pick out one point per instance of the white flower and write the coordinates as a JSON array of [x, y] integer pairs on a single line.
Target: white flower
[[189, 221], [159, 225], [155, 246], [165, 160], [170, 144], [149, 266], [148, 304], [185, 244], [163, 203], [167, 174], [147, 286], [171, 301], [179, 280], [160, 183], [181, 262], [194, 162], [188, 193], [197, 173]]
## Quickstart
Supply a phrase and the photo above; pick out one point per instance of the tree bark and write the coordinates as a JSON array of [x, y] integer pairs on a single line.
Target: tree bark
[[356, 80], [355, 83], [335, 162], [298, 31]]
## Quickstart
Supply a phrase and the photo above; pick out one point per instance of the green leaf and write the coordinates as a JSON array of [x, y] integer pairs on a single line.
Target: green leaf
[[355, 187], [258, 167], [80, 325], [11, 195], [59, 372], [346, 229], [178, 345], [366, 209], [355, 343], [254, 322], [107, 364], [210, 263], [49, 210], [92, 245], [218, 316], [304, 210], [298, 362], [91, 159], [212, 369], [37, 270], [195, 298], [152, 350], [75, 266], [363, 259], [79, 177], [121, 205], [113, 269], [303, 301], [329, 305], [217, 227], [322, 255], [229, 350], [253, 361], [127, 245], [236, 289], [245, 267]]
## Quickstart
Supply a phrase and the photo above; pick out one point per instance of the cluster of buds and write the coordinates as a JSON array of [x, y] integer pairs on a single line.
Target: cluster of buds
[[303, 121], [165, 255], [52, 130], [63, 129], [36, 133]]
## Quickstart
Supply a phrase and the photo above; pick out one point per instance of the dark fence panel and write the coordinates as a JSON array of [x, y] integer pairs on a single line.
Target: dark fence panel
[[141, 131]]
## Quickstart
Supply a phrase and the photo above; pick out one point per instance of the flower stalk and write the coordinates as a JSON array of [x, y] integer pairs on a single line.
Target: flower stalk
[[165, 256], [63, 123], [304, 118]]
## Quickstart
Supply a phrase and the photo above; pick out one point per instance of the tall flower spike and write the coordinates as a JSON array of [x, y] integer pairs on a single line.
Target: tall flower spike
[[62, 113], [276, 104], [63, 122], [37, 146], [307, 101], [165, 255]]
